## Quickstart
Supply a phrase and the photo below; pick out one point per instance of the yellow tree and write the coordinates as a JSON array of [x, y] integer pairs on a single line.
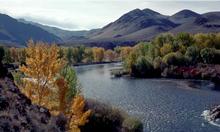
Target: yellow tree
[[167, 48], [125, 51], [46, 86], [98, 54], [109, 55], [42, 65], [14, 54], [78, 116]]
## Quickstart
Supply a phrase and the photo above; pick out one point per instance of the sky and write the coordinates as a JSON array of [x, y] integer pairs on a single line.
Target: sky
[[91, 14]]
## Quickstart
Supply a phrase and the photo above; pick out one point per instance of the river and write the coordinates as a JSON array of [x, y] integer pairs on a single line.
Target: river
[[163, 105]]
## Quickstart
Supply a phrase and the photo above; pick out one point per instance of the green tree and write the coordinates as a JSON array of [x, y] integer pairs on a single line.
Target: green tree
[[69, 56], [163, 39], [174, 58], [192, 54], [142, 68], [7, 58], [2, 53], [184, 39], [207, 55], [70, 77]]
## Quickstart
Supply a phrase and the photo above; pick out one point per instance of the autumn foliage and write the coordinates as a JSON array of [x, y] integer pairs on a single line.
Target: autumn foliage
[[46, 83]]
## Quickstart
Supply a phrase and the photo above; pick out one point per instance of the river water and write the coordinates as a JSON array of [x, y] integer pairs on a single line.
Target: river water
[[163, 105]]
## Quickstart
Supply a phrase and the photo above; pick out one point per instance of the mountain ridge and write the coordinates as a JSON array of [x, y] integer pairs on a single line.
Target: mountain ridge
[[132, 27]]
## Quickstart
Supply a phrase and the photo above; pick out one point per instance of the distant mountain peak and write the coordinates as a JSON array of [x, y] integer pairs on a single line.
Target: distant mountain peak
[[186, 13], [150, 12]]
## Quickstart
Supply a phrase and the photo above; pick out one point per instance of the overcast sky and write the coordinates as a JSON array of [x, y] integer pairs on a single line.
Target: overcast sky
[[90, 14]]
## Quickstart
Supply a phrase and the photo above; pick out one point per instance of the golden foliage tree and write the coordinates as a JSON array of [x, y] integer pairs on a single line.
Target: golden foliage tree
[[167, 48], [45, 84], [125, 51], [98, 54], [42, 65], [109, 55], [78, 116]]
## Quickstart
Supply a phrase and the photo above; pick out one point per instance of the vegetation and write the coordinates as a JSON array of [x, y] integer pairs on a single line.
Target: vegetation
[[45, 75], [50, 82], [105, 118], [72, 55], [147, 58]]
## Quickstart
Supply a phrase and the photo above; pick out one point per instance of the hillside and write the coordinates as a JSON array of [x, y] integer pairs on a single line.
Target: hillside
[[17, 113], [13, 31], [132, 27]]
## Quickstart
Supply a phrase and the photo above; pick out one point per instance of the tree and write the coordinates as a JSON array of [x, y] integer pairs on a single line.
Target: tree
[[69, 56], [142, 68], [205, 40], [88, 55], [22, 56], [78, 116], [98, 54], [192, 54], [174, 58], [109, 55], [69, 74], [167, 48], [207, 55], [7, 57], [2, 53], [162, 39], [51, 84], [125, 51], [184, 39], [42, 65], [14, 54]]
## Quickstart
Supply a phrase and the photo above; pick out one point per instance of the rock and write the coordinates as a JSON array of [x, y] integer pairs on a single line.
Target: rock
[[22, 115], [215, 113], [3, 103]]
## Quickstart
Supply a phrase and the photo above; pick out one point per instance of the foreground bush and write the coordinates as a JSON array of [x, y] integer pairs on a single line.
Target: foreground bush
[[104, 118]]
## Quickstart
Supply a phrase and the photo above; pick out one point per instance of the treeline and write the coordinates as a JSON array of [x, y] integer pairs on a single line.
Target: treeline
[[148, 59], [73, 55]]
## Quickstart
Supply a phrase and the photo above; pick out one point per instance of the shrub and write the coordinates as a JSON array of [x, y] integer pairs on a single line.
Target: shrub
[[192, 54], [2, 53], [105, 118], [132, 125], [207, 55], [157, 62], [142, 68], [174, 58]]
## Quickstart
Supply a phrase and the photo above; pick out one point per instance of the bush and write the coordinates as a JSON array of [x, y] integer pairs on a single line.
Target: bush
[[157, 62], [175, 58], [192, 54], [207, 55], [142, 68], [132, 125], [105, 118], [2, 53]]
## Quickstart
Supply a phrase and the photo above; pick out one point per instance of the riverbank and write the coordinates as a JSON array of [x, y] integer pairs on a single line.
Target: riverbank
[[95, 63], [199, 71]]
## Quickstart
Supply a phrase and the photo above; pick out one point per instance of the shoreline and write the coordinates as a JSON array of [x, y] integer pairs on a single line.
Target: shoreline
[[95, 63]]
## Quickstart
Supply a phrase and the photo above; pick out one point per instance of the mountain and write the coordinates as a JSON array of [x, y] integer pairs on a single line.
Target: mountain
[[205, 23], [63, 34], [13, 31], [132, 27], [135, 25], [143, 25], [184, 16]]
